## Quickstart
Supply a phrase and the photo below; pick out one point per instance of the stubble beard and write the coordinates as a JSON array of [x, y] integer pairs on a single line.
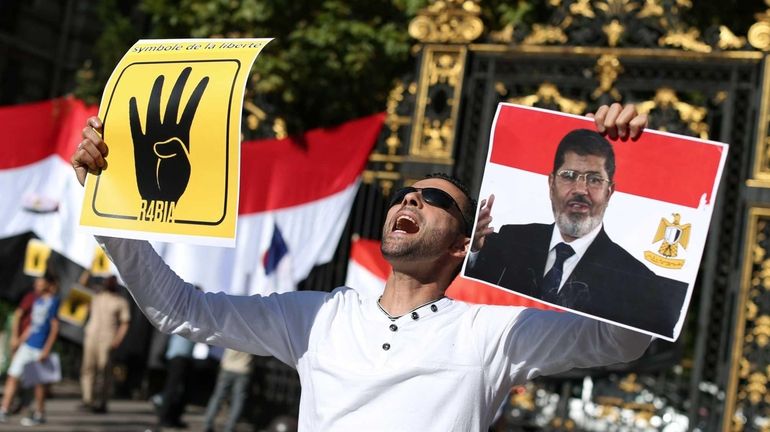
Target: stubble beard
[[577, 225], [418, 247]]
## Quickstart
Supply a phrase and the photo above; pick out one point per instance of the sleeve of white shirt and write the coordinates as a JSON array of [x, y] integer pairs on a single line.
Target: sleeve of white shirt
[[548, 342], [276, 325], [523, 343]]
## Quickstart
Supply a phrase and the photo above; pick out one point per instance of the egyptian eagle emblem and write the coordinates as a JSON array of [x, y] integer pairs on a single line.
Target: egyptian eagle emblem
[[672, 234]]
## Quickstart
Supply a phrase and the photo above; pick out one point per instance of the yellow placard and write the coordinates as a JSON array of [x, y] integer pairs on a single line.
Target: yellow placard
[[36, 258], [100, 265], [74, 309], [172, 114]]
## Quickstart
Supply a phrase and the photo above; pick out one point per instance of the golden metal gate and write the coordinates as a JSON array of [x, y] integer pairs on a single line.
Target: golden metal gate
[[710, 84]]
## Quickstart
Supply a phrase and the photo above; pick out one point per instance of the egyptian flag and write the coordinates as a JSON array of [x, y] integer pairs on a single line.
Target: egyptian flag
[[302, 187], [277, 264], [40, 192]]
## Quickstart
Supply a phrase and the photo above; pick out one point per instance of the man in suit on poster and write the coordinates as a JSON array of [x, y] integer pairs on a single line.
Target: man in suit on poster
[[573, 263]]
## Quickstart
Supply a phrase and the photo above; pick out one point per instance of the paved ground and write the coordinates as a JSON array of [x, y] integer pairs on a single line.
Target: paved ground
[[123, 416]]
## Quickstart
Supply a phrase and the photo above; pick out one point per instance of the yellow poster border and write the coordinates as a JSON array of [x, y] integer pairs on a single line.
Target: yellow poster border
[[217, 226]]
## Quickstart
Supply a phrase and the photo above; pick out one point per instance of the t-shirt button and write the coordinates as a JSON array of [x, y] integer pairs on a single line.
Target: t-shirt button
[[415, 316], [393, 327], [434, 308], [386, 346]]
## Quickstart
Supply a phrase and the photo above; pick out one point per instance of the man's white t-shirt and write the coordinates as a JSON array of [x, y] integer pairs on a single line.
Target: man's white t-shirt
[[447, 366]]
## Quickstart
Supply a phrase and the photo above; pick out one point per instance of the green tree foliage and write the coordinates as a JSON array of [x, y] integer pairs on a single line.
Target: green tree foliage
[[331, 60], [118, 33]]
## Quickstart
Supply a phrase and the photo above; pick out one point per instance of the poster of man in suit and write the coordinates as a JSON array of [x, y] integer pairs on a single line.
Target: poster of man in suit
[[607, 228]]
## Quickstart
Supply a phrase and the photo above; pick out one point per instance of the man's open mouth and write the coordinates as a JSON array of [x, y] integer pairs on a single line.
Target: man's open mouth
[[405, 224]]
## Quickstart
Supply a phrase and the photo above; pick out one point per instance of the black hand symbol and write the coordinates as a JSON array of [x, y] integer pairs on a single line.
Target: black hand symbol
[[162, 152]]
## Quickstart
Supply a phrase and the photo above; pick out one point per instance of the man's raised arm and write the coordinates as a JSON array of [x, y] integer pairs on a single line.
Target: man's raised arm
[[274, 325]]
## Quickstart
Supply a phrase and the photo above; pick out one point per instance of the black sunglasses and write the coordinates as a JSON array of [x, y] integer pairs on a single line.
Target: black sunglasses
[[433, 196]]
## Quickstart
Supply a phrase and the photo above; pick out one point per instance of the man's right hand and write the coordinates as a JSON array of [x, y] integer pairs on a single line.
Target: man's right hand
[[482, 224], [90, 155], [619, 121]]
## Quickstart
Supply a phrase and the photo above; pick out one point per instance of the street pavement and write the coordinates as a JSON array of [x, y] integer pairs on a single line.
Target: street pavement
[[62, 415]]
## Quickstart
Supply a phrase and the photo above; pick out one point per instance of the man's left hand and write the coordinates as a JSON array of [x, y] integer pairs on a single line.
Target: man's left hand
[[617, 121], [482, 223]]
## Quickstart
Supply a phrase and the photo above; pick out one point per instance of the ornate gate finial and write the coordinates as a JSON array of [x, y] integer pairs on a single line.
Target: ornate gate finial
[[453, 21], [759, 33]]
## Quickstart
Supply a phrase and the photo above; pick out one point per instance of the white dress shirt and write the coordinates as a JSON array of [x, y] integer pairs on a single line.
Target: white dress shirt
[[579, 245]]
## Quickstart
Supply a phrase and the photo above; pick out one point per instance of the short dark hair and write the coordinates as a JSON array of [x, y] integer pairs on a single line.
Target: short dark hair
[[586, 142], [469, 209], [111, 283]]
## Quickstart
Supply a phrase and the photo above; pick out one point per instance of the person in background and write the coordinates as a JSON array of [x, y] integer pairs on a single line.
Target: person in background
[[19, 323], [178, 359], [234, 374], [23, 315], [109, 316], [35, 345], [179, 356]]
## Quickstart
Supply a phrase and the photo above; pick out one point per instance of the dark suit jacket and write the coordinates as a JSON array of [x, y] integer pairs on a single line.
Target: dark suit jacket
[[610, 282]]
